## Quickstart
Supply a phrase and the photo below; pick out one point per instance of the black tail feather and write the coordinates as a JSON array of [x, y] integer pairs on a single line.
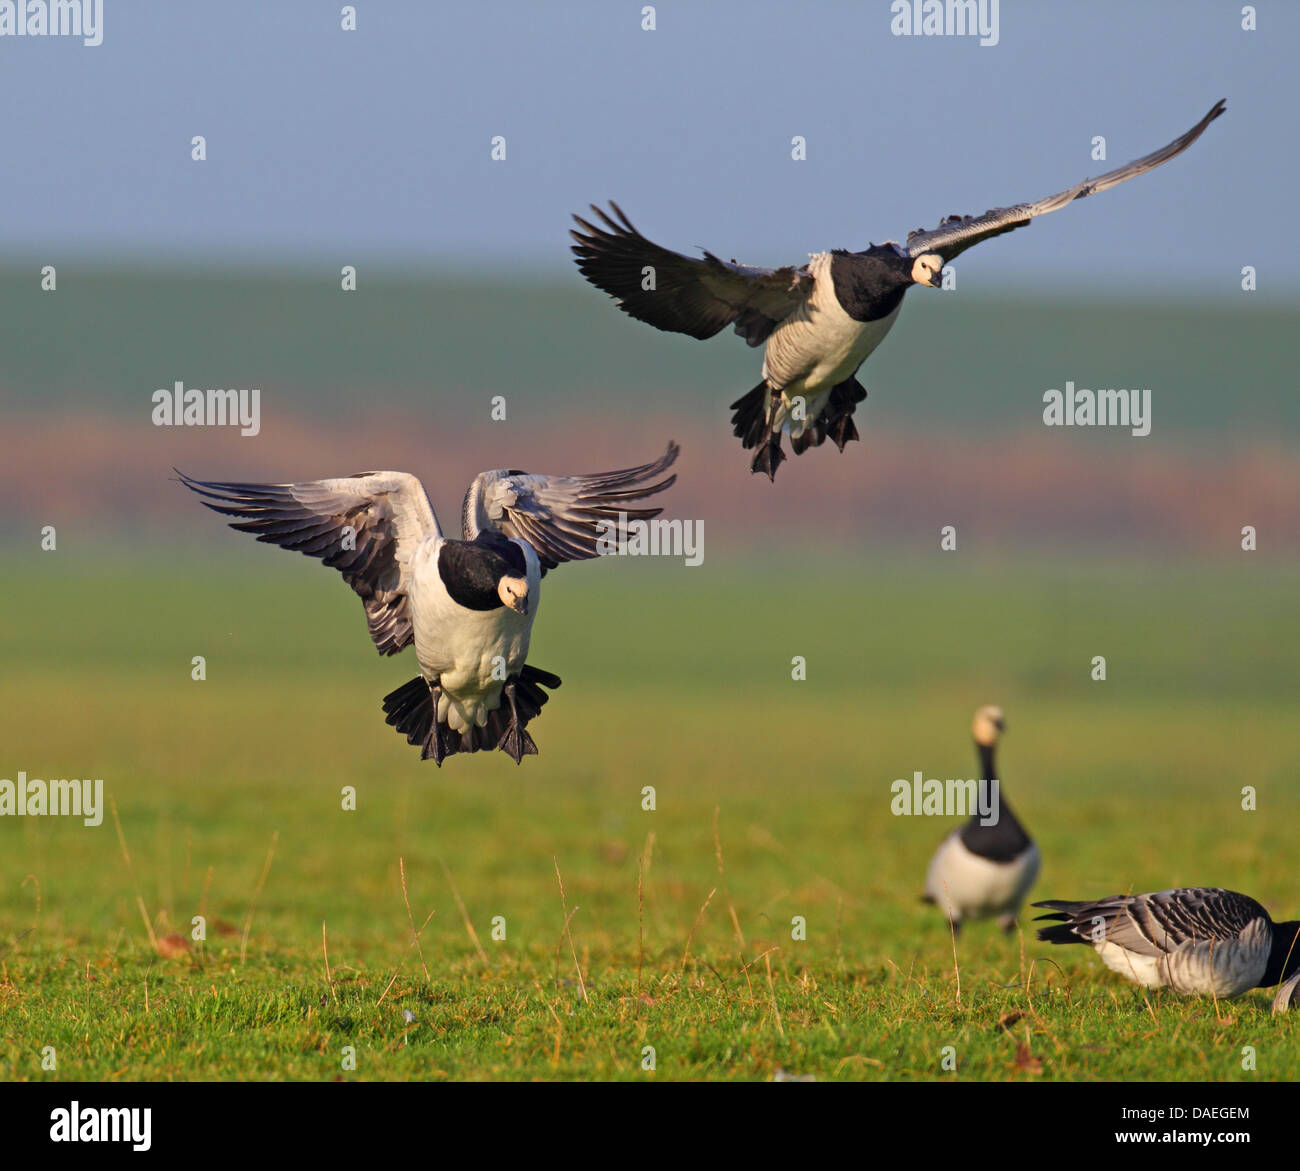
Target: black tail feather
[[749, 423], [1064, 923], [410, 709], [1059, 933]]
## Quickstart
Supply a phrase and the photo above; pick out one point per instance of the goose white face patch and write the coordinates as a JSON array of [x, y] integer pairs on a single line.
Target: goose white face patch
[[513, 592], [988, 725], [928, 269]]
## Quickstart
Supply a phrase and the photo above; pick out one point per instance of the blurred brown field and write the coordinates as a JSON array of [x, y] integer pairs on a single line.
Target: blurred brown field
[[1028, 489]]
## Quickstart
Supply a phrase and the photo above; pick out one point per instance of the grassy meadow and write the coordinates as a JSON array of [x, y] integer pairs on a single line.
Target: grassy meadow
[[673, 927]]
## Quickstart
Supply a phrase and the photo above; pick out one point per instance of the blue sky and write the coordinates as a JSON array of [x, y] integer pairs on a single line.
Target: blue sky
[[344, 147]]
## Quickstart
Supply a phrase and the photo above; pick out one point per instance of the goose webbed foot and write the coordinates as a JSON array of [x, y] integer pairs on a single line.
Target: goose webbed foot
[[842, 431], [768, 458], [515, 742], [837, 415], [813, 436], [434, 747]]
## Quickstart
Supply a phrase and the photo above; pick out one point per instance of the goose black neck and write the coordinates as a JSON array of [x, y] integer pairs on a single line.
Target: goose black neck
[[1284, 958], [1006, 839], [869, 285], [472, 570]]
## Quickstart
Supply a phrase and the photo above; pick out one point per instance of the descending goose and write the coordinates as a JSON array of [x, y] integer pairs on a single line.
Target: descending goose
[[821, 321], [980, 871], [468, 605], [1196, 940]]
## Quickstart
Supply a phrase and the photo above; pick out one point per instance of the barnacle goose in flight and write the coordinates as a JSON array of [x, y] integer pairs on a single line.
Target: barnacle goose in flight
[[466, 605], [1196, 940], [980, 871], [819, 322]]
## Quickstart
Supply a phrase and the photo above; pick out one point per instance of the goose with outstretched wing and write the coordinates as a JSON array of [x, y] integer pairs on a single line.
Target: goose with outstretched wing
[[818, 322], [467, 605]]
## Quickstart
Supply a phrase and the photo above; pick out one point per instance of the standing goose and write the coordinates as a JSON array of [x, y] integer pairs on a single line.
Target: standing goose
[[821, 321], [467, 605], [981, 871], [1200, 941]]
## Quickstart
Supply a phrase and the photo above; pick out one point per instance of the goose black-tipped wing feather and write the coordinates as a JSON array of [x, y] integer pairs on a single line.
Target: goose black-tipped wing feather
[[365, 526], [1155, 924], [695, 297], [957, 233], [564, 518]]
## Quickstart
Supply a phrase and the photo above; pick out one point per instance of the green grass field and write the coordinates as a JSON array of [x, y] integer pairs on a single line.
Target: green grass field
[[678, 940]]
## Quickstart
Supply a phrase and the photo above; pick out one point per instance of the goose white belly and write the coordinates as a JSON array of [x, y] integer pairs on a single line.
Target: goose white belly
[[966, 886], [1221, 967], [463, 650], [816, 348]]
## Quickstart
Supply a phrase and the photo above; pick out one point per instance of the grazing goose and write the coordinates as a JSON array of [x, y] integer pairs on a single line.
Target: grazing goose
[[1200, 941], [468, 605], [980, 871], [820, 322]]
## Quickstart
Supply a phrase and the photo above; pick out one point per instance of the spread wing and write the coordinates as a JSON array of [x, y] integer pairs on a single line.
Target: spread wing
[[696, 297], [564, 518], [957, 233], [1156, 924], [366, 526]]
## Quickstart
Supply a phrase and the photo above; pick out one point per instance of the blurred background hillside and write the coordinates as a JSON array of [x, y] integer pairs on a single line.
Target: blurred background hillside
[[403, 372]]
